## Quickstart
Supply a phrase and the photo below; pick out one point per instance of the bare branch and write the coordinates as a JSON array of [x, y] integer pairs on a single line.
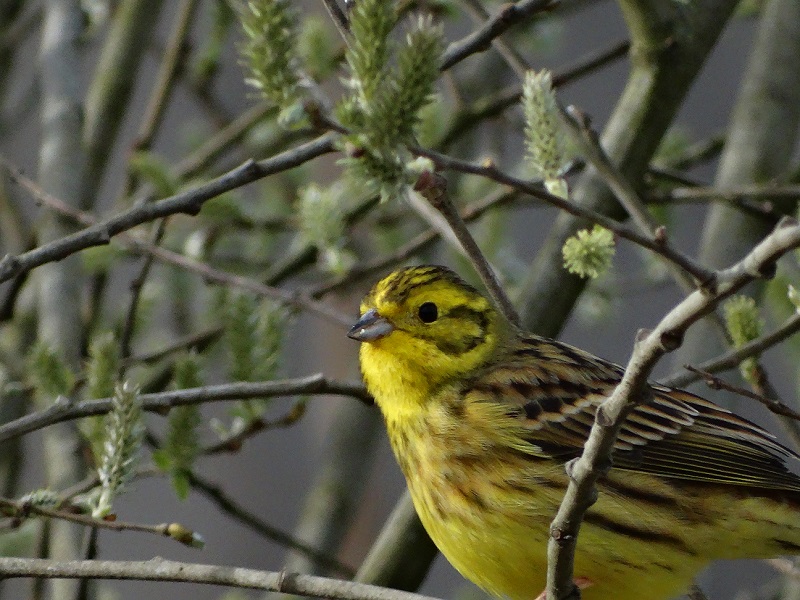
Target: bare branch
[[217, 495], [20, 510], [728, 194], [188, 202], [496, 103], [412, 246], [434, 188], [536, 189], [339, 18], [715, 383], [158, 569], [732, 358], [480, 39], [162, 402], [174, 55], [629, 199]]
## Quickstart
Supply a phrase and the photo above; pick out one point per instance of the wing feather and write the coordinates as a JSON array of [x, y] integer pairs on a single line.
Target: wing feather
[[554, 389]]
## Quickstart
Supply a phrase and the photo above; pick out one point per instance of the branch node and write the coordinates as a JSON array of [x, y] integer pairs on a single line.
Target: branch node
[[560, 536], [569, 467], [251, 167], [284, 579], [671, 340], [709, 285], [10, 266], [62, 402], [660, 235], [354, 151], [104, 236], [601, 417], [787, 221], [641, 334], [432, 187], [768, 270]]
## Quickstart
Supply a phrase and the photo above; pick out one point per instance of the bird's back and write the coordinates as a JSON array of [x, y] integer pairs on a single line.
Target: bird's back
[[692, 482]]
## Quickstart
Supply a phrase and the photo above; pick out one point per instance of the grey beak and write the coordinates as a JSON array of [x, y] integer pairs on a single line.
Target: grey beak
[[370, 327]]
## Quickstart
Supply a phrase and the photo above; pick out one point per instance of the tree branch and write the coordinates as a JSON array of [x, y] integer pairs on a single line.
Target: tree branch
[[228, 505], [715, 383], [188, 202], [63, 410], [158, 569], [433, 188], [669, 43], [732, 358], [633, 389], [480, 39], [488, 170], [175, 531]]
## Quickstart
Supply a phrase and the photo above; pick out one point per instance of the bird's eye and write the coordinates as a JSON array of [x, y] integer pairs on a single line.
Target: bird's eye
[[428, 312]]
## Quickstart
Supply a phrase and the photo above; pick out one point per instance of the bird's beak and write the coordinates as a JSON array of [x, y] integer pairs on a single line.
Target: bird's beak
[[370, 327]]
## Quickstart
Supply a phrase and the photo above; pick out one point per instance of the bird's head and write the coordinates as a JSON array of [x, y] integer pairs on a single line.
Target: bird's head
[[424, 325]]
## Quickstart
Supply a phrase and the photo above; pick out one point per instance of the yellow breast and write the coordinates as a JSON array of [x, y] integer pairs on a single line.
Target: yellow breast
[[489, 510]]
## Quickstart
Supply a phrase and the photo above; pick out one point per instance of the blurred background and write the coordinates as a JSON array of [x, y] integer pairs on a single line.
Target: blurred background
[[161, 105]]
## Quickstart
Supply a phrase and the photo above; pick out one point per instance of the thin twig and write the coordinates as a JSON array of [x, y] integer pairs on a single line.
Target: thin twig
[[494, 104], [158, 569], [732, 359], [479, 40], [229, 506], [700, 152], [715, 383], [201, 157], [590, 62], [789, 192], [536, 189], [188, 202], [762, 386], [513, 58], [136, 287], [173, 58], [339, 19], [21, 510], [434, 188], [163, 401], [209, 273], [631, 202], [412, 246], [195, 341], [234, 441]]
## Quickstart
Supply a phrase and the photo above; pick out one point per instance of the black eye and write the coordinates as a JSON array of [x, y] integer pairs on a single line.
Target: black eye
[[428, 312]]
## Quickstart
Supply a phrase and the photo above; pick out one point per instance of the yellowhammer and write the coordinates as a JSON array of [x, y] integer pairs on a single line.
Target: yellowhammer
[[482, 417]]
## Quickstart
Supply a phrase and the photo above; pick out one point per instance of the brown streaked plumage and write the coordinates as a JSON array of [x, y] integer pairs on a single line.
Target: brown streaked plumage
[[482, 418]]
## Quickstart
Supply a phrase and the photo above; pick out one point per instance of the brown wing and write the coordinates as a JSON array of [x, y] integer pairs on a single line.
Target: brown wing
[[555, 389]]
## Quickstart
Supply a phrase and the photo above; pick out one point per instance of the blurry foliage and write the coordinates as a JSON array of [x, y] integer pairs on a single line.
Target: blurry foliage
[[315, 223]]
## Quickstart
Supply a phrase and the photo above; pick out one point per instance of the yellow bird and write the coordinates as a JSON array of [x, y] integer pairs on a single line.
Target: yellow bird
[[482, 417]]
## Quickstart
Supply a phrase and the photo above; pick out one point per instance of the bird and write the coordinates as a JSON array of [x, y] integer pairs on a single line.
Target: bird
[[482, 418]]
